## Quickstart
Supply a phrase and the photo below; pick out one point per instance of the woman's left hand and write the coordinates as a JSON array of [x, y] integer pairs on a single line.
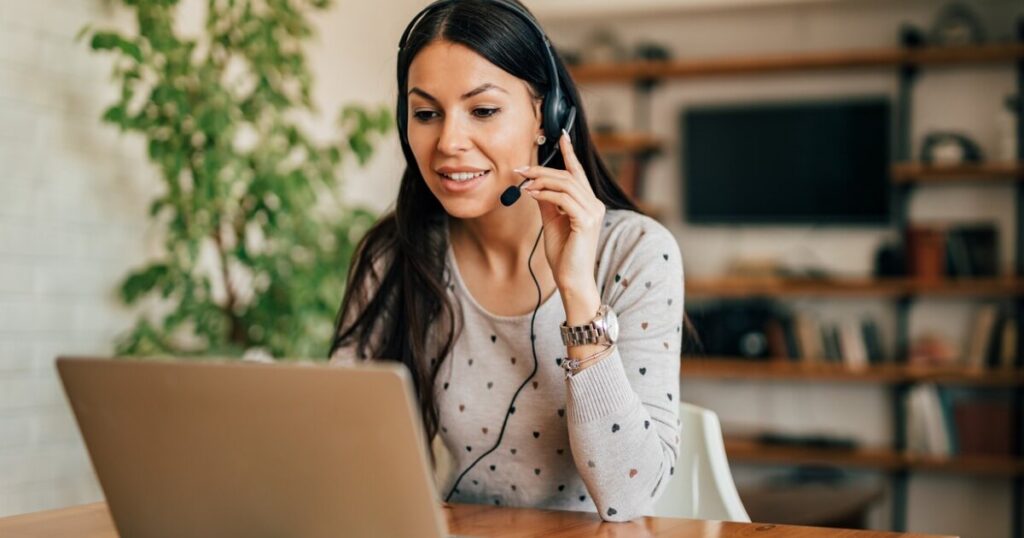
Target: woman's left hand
[[572, 217]]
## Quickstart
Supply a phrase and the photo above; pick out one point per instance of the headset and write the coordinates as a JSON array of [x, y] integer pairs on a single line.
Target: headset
[[557, 111], [558, 114]]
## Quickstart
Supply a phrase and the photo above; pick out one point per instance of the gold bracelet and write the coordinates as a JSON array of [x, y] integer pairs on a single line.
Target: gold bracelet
[[575, 366]]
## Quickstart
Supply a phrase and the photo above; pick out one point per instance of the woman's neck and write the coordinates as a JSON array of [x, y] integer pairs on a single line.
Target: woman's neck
[[502, 239]]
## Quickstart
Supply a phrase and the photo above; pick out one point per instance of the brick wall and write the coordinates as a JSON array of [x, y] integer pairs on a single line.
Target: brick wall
[[73, 200]]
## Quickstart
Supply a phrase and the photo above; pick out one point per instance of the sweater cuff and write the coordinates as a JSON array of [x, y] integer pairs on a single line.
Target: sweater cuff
[[599, 390]]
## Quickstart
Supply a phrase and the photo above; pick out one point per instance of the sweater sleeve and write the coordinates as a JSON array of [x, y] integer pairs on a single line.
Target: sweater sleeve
[[623, 412]]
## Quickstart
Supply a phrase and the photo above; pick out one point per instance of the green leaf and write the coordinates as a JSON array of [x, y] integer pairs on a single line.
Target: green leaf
[[110, 41], [141, 282]]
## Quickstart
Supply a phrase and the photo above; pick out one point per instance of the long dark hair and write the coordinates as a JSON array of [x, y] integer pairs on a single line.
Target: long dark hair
[[394, 322]]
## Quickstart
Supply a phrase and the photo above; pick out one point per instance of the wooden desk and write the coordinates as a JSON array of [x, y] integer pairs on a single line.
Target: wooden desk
[[93, 521]]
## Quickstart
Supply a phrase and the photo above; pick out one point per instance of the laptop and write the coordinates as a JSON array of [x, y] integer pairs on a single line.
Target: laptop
[[234, 448]]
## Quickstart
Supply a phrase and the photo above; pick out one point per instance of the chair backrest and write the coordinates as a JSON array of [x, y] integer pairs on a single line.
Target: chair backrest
[[702, 487]]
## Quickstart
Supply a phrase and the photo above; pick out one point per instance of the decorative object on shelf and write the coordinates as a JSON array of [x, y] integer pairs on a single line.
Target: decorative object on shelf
[[926, 251], [735, 328], [1006, 128], [891, 259], [912, 36], [956, 25], [932, 349], [651, 51], [603, 46], [945, 147]]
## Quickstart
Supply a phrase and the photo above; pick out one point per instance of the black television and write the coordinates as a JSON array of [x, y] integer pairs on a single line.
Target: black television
[[807, 162]]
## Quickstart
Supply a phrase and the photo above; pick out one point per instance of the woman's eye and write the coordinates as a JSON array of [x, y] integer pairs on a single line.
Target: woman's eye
[[427, 115], [486, 112], [423, 115]]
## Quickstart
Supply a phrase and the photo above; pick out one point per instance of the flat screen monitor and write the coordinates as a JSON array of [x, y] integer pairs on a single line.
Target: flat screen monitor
[[807, 162]]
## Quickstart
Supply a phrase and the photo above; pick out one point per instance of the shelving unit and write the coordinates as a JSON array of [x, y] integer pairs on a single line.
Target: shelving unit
[[820, 371], [639, 72], [969, 173], [853, 287], [906, 175], [881, 459]]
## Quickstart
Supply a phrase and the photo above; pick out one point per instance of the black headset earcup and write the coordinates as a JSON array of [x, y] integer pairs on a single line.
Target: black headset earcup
[[555, 110]]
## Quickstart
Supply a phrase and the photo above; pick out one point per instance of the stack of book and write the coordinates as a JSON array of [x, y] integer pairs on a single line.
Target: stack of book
[[942, 421], [800, 337], [992, 340]]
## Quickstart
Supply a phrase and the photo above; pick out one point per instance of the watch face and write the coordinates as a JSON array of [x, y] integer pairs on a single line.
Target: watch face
[[612, 324]]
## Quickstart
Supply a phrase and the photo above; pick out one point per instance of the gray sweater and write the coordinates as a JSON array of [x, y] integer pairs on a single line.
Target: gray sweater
[[605, 439]]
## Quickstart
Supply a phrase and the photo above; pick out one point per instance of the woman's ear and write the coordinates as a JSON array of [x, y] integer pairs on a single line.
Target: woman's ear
[[537, 103]]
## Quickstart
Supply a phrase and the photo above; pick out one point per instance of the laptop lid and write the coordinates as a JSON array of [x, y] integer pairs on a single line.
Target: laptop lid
[[218, 448]]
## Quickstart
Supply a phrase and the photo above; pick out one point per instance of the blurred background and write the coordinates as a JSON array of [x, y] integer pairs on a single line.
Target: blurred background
[[843, 178]]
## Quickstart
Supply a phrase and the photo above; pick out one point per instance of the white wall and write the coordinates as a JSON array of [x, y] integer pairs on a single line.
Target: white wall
[[73, 199], [962, 99]]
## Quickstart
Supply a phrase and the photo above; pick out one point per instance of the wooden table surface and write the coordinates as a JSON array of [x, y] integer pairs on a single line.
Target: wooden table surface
[[94, 521]]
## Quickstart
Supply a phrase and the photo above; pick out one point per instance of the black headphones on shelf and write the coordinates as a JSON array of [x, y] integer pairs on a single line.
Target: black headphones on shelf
[[558, 113]]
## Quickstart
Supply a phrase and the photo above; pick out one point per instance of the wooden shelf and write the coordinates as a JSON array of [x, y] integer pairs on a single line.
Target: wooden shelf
[[750, 451], [735, 287], [923, 173], [612, 143], [797, 61], [983, 465], [731, 368]]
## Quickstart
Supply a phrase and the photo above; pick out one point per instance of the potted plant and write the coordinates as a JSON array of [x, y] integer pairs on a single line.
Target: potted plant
[[257, 239]]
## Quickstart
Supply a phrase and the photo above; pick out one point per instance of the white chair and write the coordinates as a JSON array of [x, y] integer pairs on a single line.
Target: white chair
[[702, 487]]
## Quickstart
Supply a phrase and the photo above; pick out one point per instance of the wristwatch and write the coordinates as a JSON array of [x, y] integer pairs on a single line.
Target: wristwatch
[[603, 329]]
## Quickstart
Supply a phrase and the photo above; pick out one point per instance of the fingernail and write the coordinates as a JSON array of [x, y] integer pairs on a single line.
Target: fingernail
[[527, 184], [566, 133], [521, 169]]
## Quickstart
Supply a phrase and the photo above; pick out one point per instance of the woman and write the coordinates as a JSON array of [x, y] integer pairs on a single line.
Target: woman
[[447, 283]]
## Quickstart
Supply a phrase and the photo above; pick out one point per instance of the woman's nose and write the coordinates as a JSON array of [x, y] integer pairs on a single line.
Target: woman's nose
[[454, 138]]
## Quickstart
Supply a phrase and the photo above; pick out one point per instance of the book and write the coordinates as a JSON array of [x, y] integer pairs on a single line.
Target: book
[[980, 337], [872, 341], [1008, 344], [928, 429], [984, 426], [957, 258], [829, 352], [776, 336], [972, 250], [792, 346], [836, 341], [851, 343], [809, 337]]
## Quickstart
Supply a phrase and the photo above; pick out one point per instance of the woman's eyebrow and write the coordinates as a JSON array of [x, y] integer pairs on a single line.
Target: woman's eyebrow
[[479, 89]]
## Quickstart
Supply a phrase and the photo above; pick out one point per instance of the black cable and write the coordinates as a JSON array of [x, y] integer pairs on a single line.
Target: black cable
[[533, 346]]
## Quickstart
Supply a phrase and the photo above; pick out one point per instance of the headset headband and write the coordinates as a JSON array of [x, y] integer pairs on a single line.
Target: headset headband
[[552, 68]]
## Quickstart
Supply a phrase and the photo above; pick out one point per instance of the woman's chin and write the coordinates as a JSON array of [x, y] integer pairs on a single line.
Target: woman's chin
[[465, 208]]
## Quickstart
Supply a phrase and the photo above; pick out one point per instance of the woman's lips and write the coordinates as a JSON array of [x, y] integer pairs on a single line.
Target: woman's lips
[[451, 185]]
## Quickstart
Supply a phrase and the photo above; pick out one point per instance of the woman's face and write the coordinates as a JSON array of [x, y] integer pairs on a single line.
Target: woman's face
[[469, 118]]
